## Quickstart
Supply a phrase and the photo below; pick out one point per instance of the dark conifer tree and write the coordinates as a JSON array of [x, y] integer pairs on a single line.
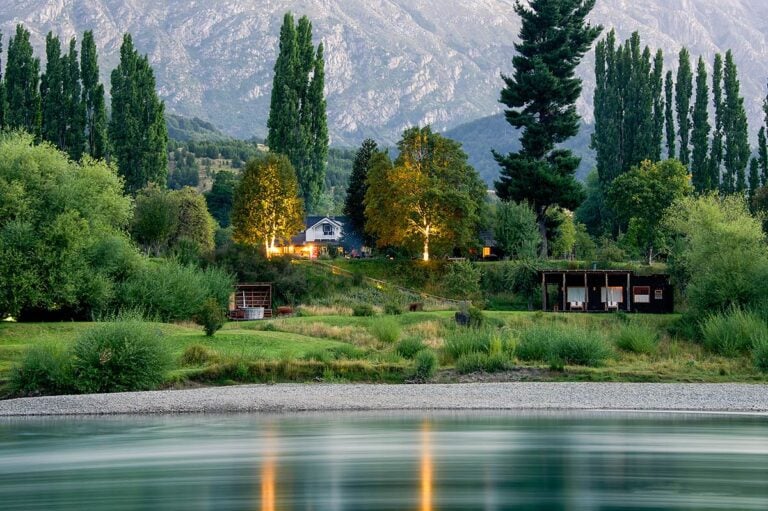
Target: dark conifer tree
[[762, 149], [137, 130], [358, 186], [2, 88], [607, 140], [74, 109], [700, 169], [716, 154], [297, 124], [93, 99], [22, 77], [54, 119], [669, 105], [657, 95], [541, 97], [683, 93], [737, 151], [754, 177]]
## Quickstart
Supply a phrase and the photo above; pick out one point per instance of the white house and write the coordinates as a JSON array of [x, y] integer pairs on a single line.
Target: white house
[[320, 232]]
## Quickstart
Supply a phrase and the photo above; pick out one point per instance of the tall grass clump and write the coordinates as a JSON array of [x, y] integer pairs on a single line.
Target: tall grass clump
[[198, 355], [385, 329], [464, 341], [171, 291], [482, 362], [409, 347], [636, 338], [119, 356], [760, 354], [733, 332], [560, 344], [44, 370], [425, 365]]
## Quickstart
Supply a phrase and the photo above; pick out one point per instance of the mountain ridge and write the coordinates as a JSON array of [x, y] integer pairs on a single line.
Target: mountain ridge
[[390, 63]]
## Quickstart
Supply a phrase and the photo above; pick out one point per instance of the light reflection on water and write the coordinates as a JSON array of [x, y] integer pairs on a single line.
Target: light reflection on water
[[392, 461]]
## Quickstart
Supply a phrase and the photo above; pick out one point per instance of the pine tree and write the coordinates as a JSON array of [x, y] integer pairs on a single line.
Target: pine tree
[[737, 151], [683, 93], [754, 178], [669, 115], [22, 76], [52, 93], [700, 169], [657, 89], [358, 186], [762, 148], [540, 97], [297, 121], [74, 109], [716, 154], [137, 130], [93, 99]]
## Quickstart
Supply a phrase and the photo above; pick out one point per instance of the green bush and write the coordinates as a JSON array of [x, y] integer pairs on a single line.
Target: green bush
[[476, 317], [409, 347], [211, 317], [171, 291], [385, 329], [760, 354], [363, 310], [462, 281], [464, 341], [44, 370], [482, 362], [733, 332], [637, 339], [198, 355], [392, 309], [563, 345], [425, 365], [119, 356]]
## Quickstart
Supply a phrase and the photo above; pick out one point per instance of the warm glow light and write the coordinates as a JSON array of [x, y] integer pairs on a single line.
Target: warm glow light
[[426, 469], [268, 478]]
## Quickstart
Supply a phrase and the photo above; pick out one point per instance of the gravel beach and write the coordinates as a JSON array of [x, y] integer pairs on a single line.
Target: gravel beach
[[479, 396]]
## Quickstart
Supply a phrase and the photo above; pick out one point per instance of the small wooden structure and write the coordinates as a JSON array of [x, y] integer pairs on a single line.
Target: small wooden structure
[[250, 302], [605, 291]]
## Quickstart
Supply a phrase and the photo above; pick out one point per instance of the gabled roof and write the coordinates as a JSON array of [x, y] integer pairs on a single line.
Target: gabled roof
[[313, 221]]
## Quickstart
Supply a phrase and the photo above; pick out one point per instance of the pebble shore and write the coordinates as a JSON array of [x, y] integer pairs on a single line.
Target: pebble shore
[[477, 396]]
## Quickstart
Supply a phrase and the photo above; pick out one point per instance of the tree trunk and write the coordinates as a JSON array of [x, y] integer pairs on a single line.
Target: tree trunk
[[266, 247], [426, 245]]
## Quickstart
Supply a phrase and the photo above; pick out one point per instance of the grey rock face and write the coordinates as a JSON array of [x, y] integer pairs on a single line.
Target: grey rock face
[[391, 63]]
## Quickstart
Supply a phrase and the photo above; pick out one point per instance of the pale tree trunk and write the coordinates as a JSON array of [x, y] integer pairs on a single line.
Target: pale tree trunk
[[266, 247], [426, 244]]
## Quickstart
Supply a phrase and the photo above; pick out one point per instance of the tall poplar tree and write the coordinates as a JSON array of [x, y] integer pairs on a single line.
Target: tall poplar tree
[[716, 154], [737, 151], [541, 99], [607, 140], [74, 109], [22, 77], [297, 124], [2, 88], [93, 99], [683, 93], [762, 151], [137, 130], [700, 169], [754, 178], [669, 86], [52, 93], [657, 90], [358, 186]]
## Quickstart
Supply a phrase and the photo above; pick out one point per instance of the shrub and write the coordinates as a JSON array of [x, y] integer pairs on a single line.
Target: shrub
[[386, 330], [760, 354], [119, 356], [171, 291], [425, 365], [409, 347], [211, 317], [563, 345], [637, 339], [733, 332], [392, 309], [363, 310], [197, 355], [460, 342], [462, 281], [476, 317], [44, 370], [482, 362]]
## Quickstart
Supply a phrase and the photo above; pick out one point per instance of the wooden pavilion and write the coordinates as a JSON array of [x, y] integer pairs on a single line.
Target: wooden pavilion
[[251, 302], [605, 291]]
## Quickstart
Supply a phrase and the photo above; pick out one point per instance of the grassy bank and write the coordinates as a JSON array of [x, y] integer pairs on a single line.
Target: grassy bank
[[391, 348]]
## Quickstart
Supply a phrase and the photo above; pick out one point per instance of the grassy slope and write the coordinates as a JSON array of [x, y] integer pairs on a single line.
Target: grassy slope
[[294, 338]]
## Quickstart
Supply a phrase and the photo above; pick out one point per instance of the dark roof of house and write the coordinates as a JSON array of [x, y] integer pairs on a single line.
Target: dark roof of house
[[313, 220]]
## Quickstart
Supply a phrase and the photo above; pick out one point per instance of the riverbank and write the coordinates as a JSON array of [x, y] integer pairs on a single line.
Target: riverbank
[[480, 396]]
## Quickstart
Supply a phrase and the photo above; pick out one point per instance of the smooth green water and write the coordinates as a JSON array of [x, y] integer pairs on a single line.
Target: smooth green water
[[467, 461]]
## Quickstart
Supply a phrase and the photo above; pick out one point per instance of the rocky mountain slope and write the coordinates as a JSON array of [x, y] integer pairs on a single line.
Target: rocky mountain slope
[[390, 63]]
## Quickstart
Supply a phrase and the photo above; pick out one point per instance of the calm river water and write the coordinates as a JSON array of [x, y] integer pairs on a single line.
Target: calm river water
[[392, 461]]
